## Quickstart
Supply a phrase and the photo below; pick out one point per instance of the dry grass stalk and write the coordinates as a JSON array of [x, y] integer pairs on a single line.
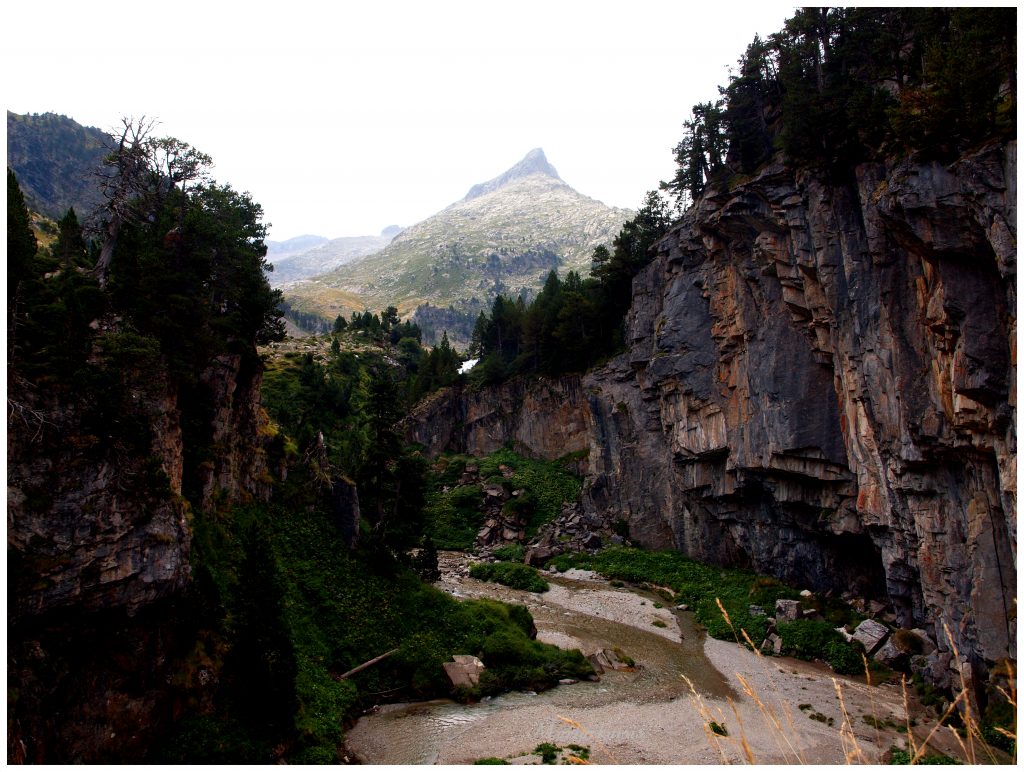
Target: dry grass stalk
[[782, 738], [851, 748], [706, 714], [601, 745], [747, 750]]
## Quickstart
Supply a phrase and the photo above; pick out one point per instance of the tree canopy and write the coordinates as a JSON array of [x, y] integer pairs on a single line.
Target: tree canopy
[[837, 86]]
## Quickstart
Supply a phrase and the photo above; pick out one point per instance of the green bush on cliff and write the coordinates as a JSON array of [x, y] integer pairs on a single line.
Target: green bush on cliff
[[546, 484]]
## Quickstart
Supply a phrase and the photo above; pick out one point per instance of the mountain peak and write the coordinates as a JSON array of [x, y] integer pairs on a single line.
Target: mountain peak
[[534, 162]]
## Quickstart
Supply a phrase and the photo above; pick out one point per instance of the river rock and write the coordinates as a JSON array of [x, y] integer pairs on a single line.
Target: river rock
[[464, 671]]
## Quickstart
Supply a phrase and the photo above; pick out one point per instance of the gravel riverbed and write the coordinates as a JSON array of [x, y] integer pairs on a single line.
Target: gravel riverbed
[[775, 710]]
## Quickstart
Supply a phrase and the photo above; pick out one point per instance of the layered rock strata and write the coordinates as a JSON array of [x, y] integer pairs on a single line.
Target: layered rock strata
[[820, 385]]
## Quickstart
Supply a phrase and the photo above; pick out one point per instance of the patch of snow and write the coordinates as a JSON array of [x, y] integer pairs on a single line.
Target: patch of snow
[[468, 365]]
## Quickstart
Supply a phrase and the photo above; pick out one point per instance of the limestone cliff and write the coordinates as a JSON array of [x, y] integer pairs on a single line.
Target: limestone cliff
[[820, 384]]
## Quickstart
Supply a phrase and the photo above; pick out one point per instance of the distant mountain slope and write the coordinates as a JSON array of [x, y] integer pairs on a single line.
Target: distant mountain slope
[[325, 255], [278, 251], [55, 160], [505, 236]]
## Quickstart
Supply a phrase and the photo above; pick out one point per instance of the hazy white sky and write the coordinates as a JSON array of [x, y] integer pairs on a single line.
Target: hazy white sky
[[344, 117]]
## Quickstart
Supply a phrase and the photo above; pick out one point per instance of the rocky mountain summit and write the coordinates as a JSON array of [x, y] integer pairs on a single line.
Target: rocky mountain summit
[[535, 162], [818, 385], [505, 236]]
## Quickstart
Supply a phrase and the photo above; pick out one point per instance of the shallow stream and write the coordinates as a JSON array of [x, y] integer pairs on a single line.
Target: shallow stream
[[588, 614]]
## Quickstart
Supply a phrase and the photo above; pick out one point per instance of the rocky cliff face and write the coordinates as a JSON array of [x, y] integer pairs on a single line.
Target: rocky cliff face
[[820, 384], [98, 553], [546, 418]]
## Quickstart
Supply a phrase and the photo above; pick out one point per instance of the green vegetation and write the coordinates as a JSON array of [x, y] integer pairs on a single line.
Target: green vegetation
[[571, 324], [810, 639], [454, 516], [839, 86], [548, 752], [302, 608], [512, 553], [702, 587], [490, 760], [898, 756], [718, 729], [514, 575]]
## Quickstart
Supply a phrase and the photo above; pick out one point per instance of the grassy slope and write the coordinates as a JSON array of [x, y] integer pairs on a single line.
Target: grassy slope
[[465, 250]]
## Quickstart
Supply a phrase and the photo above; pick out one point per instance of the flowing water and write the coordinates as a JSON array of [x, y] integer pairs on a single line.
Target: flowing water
[[589, 615]]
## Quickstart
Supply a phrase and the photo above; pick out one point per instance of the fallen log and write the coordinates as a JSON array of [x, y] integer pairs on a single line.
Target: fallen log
[[362, 667]]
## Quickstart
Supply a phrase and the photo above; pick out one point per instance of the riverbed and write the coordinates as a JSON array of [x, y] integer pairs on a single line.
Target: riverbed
[[774, 710]]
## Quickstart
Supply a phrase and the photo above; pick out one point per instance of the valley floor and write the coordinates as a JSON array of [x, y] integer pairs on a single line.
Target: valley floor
[[775, 710]]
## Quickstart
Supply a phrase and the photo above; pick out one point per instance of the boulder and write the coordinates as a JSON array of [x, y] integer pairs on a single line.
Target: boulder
[[495, 492], [464, 671], [891, 655], [872, 634], [788, 610], [592, 541], [927, 644], [538, 556], [756, 611]]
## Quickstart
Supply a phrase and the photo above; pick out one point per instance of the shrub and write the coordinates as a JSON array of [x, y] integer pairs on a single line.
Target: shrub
[[810, 639], [454, 517], [897, 756], [515, 575], [512, 553], [844, 657], [548, 752]]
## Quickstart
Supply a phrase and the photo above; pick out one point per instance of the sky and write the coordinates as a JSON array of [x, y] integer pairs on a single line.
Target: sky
[[341, 118]]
